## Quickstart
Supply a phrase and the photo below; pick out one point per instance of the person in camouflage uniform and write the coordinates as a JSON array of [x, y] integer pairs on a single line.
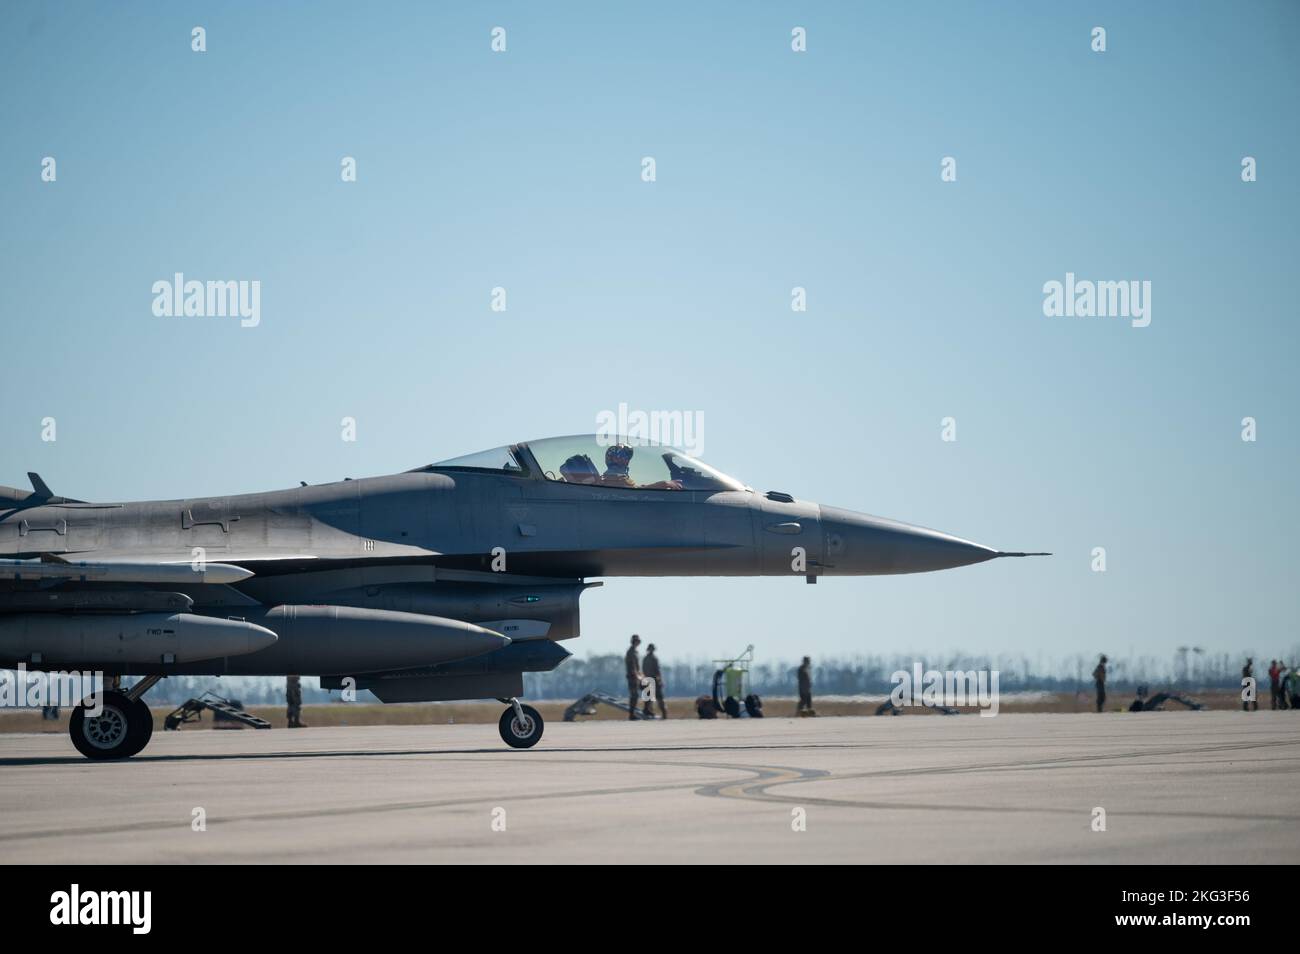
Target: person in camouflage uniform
[[651, 668], [293, 701], [632, 663]]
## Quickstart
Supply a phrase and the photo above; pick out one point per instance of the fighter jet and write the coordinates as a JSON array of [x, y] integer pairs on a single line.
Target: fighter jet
[[448, 581]]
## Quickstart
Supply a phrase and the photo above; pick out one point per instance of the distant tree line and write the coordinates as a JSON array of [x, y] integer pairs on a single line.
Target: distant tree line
[[832, 675], [871, 675]]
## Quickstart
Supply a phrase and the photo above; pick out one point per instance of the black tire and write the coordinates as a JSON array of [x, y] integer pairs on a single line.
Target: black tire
[[140, 728], [112, 733], [521, 736]]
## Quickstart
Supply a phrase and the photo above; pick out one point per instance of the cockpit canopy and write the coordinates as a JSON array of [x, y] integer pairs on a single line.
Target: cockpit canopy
[[599, 460]]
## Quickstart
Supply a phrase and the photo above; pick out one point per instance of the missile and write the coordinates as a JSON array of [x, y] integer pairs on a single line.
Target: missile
[[97, 601], [349, 640], [116, 642], [85, 571]]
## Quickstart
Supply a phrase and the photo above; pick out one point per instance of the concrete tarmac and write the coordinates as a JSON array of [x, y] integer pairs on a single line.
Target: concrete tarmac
[[1176, 787]]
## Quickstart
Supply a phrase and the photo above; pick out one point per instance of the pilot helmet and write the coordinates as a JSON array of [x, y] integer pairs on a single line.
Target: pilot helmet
[[617, 457]]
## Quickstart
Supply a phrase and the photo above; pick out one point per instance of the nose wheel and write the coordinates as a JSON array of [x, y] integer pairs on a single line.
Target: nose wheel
[[520, 725]]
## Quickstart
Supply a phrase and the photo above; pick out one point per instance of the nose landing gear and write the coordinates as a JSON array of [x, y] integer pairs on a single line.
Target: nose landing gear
[[118, 728], [520, 725]]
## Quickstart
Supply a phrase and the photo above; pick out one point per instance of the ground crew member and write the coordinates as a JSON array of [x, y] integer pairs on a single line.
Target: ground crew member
[[1274, 681], [293, 700], [805, 688], [1293, 685], [651, 668], [632, 662], [1248, 672], [1099, 677]]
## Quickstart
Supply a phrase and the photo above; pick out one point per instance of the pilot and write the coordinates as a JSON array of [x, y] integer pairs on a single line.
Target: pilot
[[617, 459]]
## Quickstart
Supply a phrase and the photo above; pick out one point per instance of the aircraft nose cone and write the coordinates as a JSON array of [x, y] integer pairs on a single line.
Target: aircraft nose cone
[[860, 543]]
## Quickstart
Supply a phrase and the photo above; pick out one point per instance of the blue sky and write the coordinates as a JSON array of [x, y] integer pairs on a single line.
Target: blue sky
[[775, 169]]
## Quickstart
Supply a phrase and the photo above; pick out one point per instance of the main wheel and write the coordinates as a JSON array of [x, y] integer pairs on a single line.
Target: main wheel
[[521, 734], [140, 726], [117, 732]]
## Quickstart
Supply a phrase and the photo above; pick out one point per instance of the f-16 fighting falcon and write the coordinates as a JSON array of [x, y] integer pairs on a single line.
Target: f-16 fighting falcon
[[445, 582]]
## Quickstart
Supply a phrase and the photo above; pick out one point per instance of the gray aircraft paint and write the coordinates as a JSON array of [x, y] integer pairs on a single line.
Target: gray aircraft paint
[[393, 576]]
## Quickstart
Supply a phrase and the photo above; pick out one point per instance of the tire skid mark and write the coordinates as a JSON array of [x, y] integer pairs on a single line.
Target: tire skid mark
[[754, 786], [770, 776], [382, 807]]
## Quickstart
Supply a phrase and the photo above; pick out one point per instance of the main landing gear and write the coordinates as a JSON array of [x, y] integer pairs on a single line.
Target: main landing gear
[[123, 724], [122, 727], [520, 725]]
